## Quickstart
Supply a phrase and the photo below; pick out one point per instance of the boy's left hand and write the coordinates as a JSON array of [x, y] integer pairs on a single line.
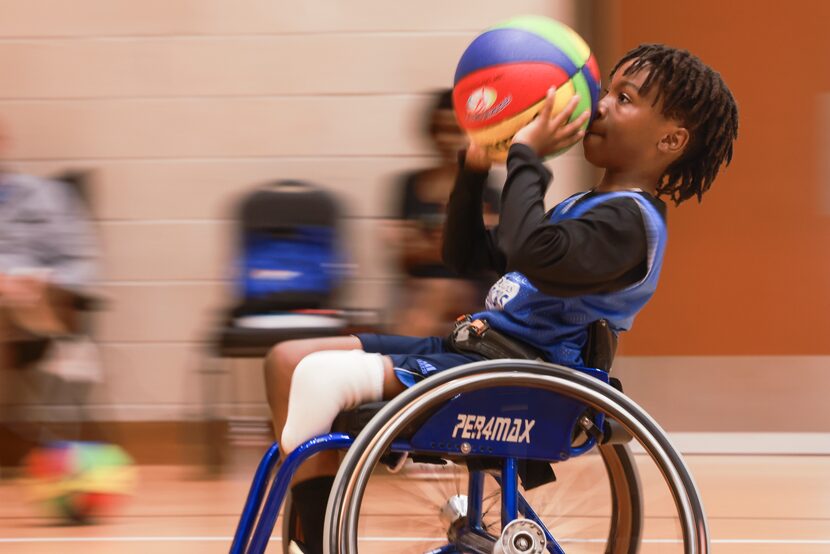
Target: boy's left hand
[[547, 135], [476, 158]]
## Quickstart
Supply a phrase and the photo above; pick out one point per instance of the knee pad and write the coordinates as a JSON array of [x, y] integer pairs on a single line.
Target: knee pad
[[324, 384]]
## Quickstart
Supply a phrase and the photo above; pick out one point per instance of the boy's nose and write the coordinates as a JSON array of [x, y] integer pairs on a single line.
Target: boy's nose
[[602, 108]]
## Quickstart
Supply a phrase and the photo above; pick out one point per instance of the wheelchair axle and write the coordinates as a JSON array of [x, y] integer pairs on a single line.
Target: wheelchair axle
[[521, 536]]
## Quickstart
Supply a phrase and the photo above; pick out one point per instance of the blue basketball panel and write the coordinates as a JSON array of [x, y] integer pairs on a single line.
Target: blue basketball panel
[[593, 86], [503, 46]]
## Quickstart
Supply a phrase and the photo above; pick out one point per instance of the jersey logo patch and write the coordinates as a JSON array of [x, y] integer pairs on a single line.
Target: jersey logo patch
[[502, 292]]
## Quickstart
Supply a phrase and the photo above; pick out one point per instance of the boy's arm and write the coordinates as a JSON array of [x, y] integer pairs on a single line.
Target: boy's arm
[[603, 250], [469, 248]]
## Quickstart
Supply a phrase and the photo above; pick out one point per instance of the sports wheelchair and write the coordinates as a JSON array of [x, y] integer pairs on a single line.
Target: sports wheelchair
[[499, 426]]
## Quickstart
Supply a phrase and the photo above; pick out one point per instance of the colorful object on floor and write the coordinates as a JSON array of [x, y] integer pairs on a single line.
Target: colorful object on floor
[[80, 481], [503, 77]]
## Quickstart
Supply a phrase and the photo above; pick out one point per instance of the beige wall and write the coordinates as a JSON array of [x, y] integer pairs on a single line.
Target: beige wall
[[180, 105]]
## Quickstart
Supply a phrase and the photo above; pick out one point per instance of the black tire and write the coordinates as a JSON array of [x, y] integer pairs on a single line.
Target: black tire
[[626, 499]]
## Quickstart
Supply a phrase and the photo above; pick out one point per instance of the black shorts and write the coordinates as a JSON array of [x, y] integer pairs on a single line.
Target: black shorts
[[415, 358]]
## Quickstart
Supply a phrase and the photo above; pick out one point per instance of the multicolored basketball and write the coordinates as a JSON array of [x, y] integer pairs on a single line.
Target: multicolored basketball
[[80, 481], [503, 77]]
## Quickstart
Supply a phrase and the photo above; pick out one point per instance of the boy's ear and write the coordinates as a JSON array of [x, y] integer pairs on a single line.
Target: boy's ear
[[674, 141]]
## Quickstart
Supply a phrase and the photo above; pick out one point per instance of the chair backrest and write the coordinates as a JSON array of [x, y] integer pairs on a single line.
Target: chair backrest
[[289, 252]]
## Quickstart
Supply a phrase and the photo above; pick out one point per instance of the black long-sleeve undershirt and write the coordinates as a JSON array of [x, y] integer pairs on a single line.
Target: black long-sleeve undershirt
[[602, 251]]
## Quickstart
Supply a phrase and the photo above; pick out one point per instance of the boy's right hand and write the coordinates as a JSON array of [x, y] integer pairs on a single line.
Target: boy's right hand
[[547, 135]]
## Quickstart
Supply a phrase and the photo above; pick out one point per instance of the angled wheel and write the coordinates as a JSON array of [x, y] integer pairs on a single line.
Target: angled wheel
[[611, 476]]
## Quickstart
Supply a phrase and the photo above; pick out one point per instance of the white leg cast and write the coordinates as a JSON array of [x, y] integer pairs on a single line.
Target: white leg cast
[[325, 384]]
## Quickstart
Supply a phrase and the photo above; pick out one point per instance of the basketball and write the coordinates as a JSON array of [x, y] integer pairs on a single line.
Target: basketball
[[504, 74], [79, 481]]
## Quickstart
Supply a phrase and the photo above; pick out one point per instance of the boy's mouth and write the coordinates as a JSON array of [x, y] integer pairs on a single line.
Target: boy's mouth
[[593, 130]]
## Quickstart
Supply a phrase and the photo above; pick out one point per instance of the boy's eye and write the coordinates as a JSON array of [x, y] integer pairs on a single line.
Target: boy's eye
[[624, 98]]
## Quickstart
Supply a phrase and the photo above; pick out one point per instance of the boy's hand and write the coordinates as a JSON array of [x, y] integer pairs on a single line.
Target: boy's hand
[[546, 135], [476, 158]]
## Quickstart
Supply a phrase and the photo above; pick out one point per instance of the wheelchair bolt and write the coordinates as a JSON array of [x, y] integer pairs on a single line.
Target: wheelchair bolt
[[466, 448], [523, 542]]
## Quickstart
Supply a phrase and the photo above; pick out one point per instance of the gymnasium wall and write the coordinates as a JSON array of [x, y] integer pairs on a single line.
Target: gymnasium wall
[[180, 106]]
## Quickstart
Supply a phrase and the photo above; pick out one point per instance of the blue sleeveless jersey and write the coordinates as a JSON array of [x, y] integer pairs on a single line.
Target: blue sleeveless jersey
[[559, 326]]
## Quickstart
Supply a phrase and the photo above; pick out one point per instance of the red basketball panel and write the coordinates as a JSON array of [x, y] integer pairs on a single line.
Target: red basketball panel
[[488, 96], [593, 67]]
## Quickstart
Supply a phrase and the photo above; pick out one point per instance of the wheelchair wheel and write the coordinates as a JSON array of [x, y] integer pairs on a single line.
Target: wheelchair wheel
[[621, 527], [594, 497]]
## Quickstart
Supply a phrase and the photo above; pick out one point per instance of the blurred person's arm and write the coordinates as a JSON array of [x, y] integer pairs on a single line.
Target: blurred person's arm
[[469, 247], [419, 244], [47, 244], [78, 248], [49, 239]]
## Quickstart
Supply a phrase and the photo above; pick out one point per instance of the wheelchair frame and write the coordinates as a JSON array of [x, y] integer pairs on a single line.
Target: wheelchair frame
[[431, 402]]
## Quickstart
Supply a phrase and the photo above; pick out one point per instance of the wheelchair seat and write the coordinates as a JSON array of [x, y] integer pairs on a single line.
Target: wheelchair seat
[[353, 421], [598, 353]]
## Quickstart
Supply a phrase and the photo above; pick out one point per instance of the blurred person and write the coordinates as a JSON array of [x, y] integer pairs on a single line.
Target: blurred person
[[48, 258], [664, 128], [432, 294]]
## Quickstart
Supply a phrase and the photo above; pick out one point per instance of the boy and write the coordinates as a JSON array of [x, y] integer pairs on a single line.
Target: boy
[[664, 127]]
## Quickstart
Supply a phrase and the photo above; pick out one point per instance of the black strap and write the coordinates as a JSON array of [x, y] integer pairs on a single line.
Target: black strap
[[477, 337]]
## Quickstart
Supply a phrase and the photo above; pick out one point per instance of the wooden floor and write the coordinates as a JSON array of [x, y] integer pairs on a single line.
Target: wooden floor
[[755, 504]]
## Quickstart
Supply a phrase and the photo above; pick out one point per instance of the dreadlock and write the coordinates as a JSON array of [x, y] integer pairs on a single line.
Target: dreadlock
[[694, 94]]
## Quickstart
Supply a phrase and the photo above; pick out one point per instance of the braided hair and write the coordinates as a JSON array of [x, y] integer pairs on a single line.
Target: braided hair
[[694, 94]]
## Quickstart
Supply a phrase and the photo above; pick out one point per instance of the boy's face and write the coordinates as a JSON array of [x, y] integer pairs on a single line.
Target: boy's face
[[629, 133]]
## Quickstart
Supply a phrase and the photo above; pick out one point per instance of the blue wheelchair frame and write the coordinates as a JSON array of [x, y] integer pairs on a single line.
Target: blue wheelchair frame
[[503, 423]]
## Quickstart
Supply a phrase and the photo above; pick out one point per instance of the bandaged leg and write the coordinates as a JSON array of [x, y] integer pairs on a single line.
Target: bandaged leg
[[325, 384]]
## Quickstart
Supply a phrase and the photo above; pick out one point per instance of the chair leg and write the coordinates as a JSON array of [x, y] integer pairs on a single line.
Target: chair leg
[[214, 424]]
